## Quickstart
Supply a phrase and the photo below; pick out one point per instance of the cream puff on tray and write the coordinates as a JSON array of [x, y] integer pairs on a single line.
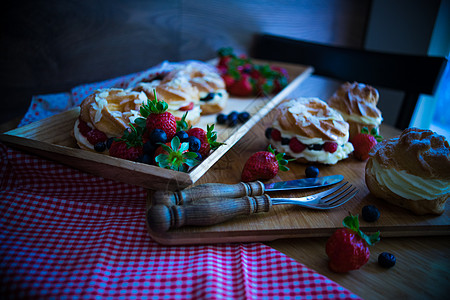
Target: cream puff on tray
[[105, 114], [196, 88], [309, 130], [411, 171]]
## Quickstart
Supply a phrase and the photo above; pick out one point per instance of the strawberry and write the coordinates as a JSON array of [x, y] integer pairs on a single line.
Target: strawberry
[[175, 156], [157, 117], [348, 247], [243, 87], [263, 165], [129, 146], [207, 139], [244, 78], [363, 142], [330, 147], [229, 80]]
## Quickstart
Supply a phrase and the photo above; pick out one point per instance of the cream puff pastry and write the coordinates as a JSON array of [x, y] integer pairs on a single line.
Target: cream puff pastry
[[357, 103], [308, 130], [104, 114], [411, 171]]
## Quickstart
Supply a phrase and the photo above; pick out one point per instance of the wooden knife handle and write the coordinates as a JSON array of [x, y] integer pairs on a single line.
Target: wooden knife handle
[[208, 190], [204, 212]]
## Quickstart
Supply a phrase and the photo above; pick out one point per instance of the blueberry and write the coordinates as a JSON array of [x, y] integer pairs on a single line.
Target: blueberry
[[285, 141], [386, 260], [311, 172], [149, 148], [182, 135], [146, 159], [268, 133], [158, 136], [232, 115], [100, 147], [232, 122], [316, 147], [199, 156], [370, 213], [243, 117], [194, 144], [208, 97], [109, 142], [221, 119]]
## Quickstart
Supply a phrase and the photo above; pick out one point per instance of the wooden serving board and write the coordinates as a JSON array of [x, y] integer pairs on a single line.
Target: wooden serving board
[[288, 221], [52, 138]]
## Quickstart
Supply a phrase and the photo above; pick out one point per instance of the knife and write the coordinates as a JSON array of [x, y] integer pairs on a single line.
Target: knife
[[255, 188]]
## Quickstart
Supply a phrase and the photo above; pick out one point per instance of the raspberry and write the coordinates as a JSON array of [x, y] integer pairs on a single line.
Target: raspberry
[[296, 146], [95, 136], [330, 147], [275, 135], [83, 127]]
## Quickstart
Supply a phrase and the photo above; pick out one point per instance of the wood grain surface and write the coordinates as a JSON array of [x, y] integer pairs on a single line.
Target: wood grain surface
[[421, 272], [50, 46], [288, 221]]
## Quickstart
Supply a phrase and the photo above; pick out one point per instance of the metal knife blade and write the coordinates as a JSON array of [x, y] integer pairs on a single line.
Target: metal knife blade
[[304, 183]]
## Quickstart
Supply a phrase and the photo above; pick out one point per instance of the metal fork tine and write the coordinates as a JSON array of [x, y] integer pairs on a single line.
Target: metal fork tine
[[330, 191], [340, 196], [344, 200], [331, 197]]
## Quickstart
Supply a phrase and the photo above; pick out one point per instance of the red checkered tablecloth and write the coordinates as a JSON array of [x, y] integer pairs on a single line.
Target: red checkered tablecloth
[[65, 234]]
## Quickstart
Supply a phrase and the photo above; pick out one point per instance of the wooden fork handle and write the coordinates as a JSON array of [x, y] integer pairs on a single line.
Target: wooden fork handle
[[204, 212], [208, 190]]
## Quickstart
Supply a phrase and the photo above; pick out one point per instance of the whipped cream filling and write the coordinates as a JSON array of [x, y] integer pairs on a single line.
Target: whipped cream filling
[[192, 114], [320, 156], [81, 138], [409, 186], [362, 119]]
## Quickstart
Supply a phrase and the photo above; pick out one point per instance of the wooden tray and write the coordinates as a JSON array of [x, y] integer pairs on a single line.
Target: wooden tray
[[288, 221], [51, 138]]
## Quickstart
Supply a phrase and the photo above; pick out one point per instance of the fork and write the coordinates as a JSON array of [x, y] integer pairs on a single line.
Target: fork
[[211, 211]]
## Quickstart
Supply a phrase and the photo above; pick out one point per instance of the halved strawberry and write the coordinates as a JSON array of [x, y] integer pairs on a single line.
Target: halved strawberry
[[187, 107]]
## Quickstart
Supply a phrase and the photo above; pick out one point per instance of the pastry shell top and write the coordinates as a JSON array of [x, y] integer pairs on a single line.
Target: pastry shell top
[[204, 77], [419, 152], [111, 110], [312, 118], [356, 99]]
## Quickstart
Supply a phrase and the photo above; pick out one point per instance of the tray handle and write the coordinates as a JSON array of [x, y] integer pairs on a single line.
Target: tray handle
[[208, 190], [204, 212]]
